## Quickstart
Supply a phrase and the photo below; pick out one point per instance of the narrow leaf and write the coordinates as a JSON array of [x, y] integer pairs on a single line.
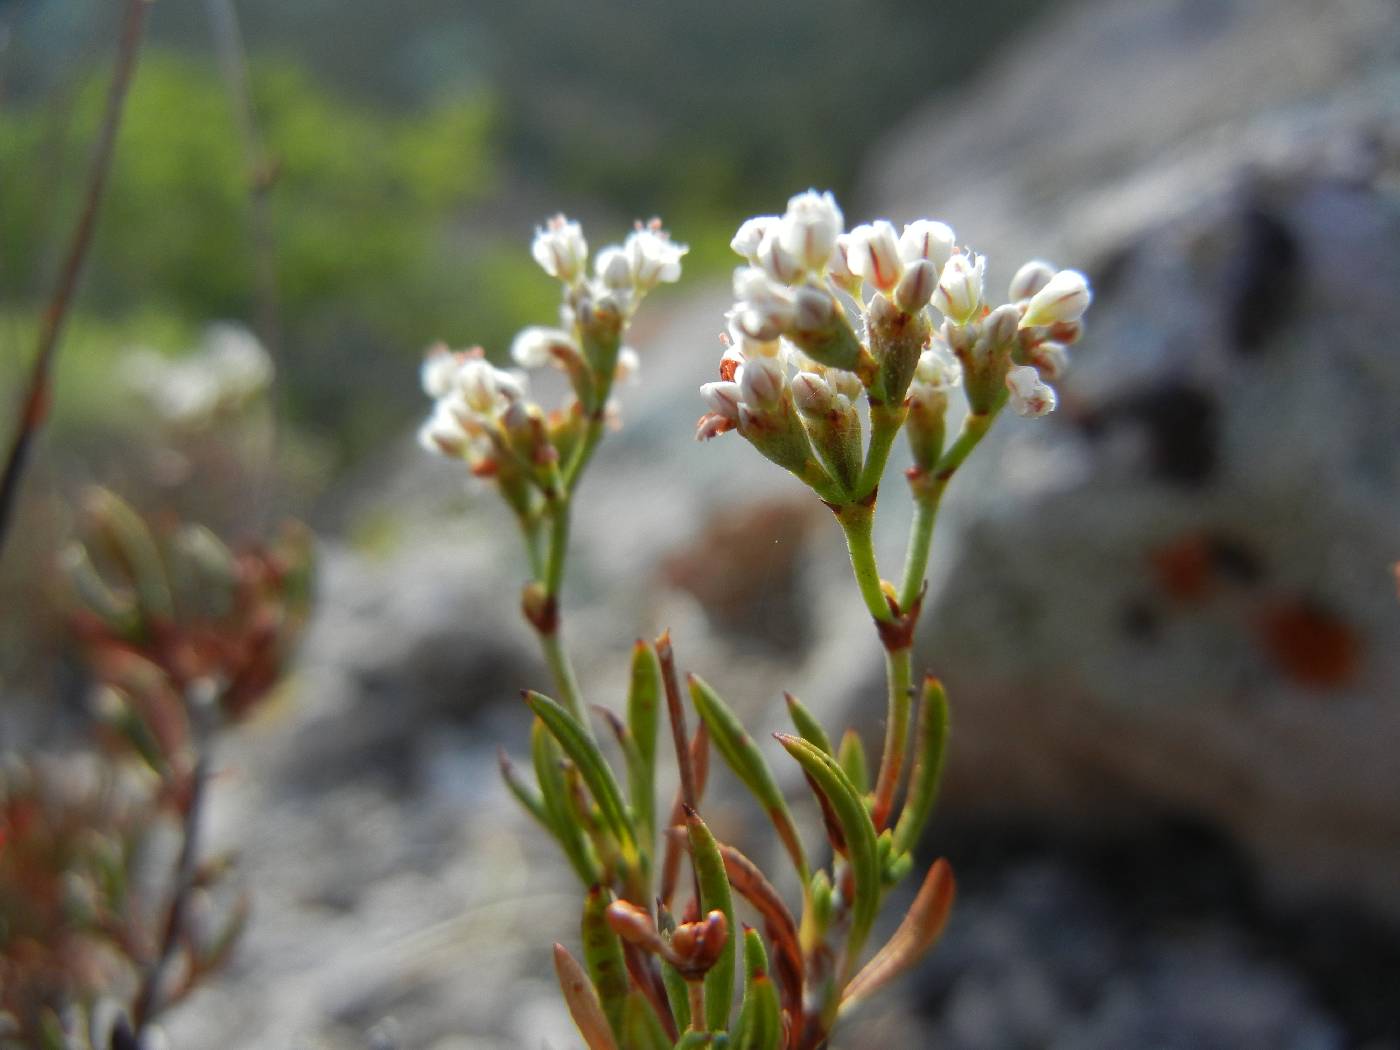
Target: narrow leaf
[[808, 728], [643, 706], [778, 923], [929, 746], [859, 833], [582, 1001], [677, 994], [641, 1028], [602, 954], [638, 784], [523, 792], [699, 752], [917, 933], [596, 774], [749, 765], [714, 896], [760, 1020], [851, 755], [554, 793]]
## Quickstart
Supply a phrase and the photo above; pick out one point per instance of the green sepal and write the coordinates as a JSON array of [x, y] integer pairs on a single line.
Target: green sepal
[[744, 758], [641, 1028], [850, 812], [643, 714], [714, 896], [602, 955], [929, 747], [851, 756], [595, 772], [554, 794], [806, 724]]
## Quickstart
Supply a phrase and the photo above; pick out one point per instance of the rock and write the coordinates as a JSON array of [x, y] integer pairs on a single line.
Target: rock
[[1177, 593]]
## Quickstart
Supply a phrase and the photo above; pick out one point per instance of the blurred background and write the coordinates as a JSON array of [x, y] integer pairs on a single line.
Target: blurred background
[[1168, 616]]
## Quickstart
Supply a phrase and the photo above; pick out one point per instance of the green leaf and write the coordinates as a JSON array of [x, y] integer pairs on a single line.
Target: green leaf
[[591, 765], [743, 756], [831, 781], [930, 745], [808, 728], [602, 954], [677, 994], [643, 715], [760, 1024], [527, 796], [851, 755], [641, 1028], [554, 793], [714, 896], [638, 779]]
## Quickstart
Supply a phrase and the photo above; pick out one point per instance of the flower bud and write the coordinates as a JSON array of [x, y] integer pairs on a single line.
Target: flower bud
[[1029, 279], [697, 945], [820, 329], [1029, 395], [873, 254], [959, 294], [440, 366], [652, 255], [779, 263], [838, 267], [443, 434], [926, 239], [809, 228], [924, 425], [812, 394], [1051, 360], [723, 399], [613, 267], [762, 380], [916, 287], [764, 309], [1064, 298], [813, 308], [538, 346], [750, 236], [560, 249], [999, 326]]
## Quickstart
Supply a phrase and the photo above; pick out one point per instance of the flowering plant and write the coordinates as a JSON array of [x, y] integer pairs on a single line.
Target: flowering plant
[[804, 347]]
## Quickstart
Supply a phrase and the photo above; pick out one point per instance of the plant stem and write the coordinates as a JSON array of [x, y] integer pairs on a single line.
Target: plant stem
[[920, 542], [35, 404], [858, 523], [899, 675], [562, 670], [885, 424]]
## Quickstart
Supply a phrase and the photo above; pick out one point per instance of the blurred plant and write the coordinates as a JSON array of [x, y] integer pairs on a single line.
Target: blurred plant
[[184, 637], [652, 976]]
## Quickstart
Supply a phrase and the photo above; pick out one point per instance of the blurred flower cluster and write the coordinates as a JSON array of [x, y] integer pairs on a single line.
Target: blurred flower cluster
[[228, 370], [108, 912]]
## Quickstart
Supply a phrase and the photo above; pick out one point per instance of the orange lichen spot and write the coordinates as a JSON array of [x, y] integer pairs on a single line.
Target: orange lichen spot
[[1311, 645]]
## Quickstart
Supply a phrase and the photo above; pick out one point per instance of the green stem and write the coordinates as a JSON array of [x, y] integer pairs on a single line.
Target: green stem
[[920, 541], [899, 674], [885, 424], [858, 523], [565, 681]]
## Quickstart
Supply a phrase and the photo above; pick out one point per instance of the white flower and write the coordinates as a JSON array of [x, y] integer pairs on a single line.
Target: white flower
[[916, 287], [751, 234], [812, 394], [1064, 298], [442, 433], [926, 239], [1029, 395], [439, 370], [959, 291], [776, 261], [764, 309], [560, 249], [653, 257], [1050, 359], [613, 267], [809, 228], [838, 267], [872, 253], [1029, 279], [762, 379], [813, 308], [938, 368], [538, 346]]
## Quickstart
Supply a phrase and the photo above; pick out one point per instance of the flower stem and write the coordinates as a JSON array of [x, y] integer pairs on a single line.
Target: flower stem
[[898, 673], [858, 523], [885, 424]]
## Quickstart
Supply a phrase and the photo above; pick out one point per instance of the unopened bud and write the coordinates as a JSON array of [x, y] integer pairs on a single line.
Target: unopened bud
[[439, 370], [697, 945], [751, 234], [809, 228], [929, 240], [873, 254], [813, 308], [821, 330], [812, 394], [1051, 360], [613, 268], [1029, 279], [916, 287], [761, 381], [999, 326], [723, 399], [538, 346], [838, 266], [959, 294], [777, 262], [1065, 297]]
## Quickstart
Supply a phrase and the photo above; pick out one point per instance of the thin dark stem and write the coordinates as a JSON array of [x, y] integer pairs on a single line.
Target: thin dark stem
[[35, 403], [148, 1002]]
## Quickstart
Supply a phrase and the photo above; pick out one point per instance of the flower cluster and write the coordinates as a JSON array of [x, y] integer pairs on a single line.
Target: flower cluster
[[484, 415], [795, 363]]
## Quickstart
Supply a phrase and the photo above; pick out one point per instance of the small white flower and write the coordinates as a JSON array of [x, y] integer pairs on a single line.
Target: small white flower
[[538, 346], [653, 256], [846, 384], [809, 228], [959, 291], [938, 368], [812, 394], [764, 309], [442, 433], [873, 254], [560, 249], [1050, 359], [762, 380], [1029, 279], [439, 370], [779, 263], [1065, 297], [613, 268], [927, 239], [999, 326], [838, 267], [723, 399], [813, 309], [751, 234], [1029, 395]]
